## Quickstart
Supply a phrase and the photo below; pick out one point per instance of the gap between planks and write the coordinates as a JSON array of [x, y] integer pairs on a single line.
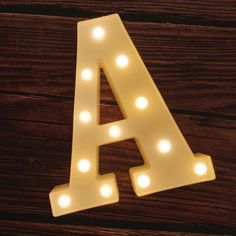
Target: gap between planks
[[141, 17]]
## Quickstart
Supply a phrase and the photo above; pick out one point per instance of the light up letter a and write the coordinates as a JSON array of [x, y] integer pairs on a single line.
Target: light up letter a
[[169, 162]]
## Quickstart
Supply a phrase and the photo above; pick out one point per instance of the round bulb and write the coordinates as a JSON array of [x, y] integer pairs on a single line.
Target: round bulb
[[141, 103], [164, 146], [143, 181], [122, 61], [106, 190], [85, 116], [84, 165], [64, 201], [114, 131], [200, 169], [87, 74], [98, 33]]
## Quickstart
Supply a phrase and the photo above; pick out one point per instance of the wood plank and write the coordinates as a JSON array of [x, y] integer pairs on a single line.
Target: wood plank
[[36, 156], [207, 12], [194, 67], [17, 228]]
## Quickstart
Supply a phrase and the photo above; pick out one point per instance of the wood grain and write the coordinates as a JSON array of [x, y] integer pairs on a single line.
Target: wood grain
[[189, 49], [29, 228], [218, 13]]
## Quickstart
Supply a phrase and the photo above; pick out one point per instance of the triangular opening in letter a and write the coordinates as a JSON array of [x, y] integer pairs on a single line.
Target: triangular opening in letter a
[[109, 108], [168, 160]]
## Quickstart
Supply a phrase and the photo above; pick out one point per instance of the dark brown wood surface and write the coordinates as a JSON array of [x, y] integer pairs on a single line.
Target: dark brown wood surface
[[189, 47]]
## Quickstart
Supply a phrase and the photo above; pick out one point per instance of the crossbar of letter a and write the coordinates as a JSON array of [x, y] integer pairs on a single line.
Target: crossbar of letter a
[[168, 161]]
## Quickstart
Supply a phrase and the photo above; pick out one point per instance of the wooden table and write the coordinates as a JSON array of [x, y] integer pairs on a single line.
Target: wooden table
[[189, 47]]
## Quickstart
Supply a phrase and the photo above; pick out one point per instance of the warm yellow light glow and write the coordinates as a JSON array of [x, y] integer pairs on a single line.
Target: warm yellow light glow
[[164, 146], [141, 103], [98, 33], [84, 165], [143, 181], [114, 131], [87, 74], [85, 116], [122, 61], [200, 169], [106, 190], [64, 201]]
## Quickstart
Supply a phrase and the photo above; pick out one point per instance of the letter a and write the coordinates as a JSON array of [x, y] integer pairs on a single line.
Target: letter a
[[168, 161]]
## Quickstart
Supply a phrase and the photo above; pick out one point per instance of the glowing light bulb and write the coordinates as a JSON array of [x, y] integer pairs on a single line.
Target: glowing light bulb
[[122, 61], [106, 190], [64, 201], [98, 33], [114, 131], [85, 117], [87, 74], [200, 169], [141, 103], [164, 146], [143, 181], [84, 165]]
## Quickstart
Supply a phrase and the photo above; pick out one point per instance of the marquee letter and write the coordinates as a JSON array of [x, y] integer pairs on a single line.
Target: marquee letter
[[168, 161]]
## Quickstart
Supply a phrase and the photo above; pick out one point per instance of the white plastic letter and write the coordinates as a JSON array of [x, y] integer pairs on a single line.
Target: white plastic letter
[[169, 162]]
